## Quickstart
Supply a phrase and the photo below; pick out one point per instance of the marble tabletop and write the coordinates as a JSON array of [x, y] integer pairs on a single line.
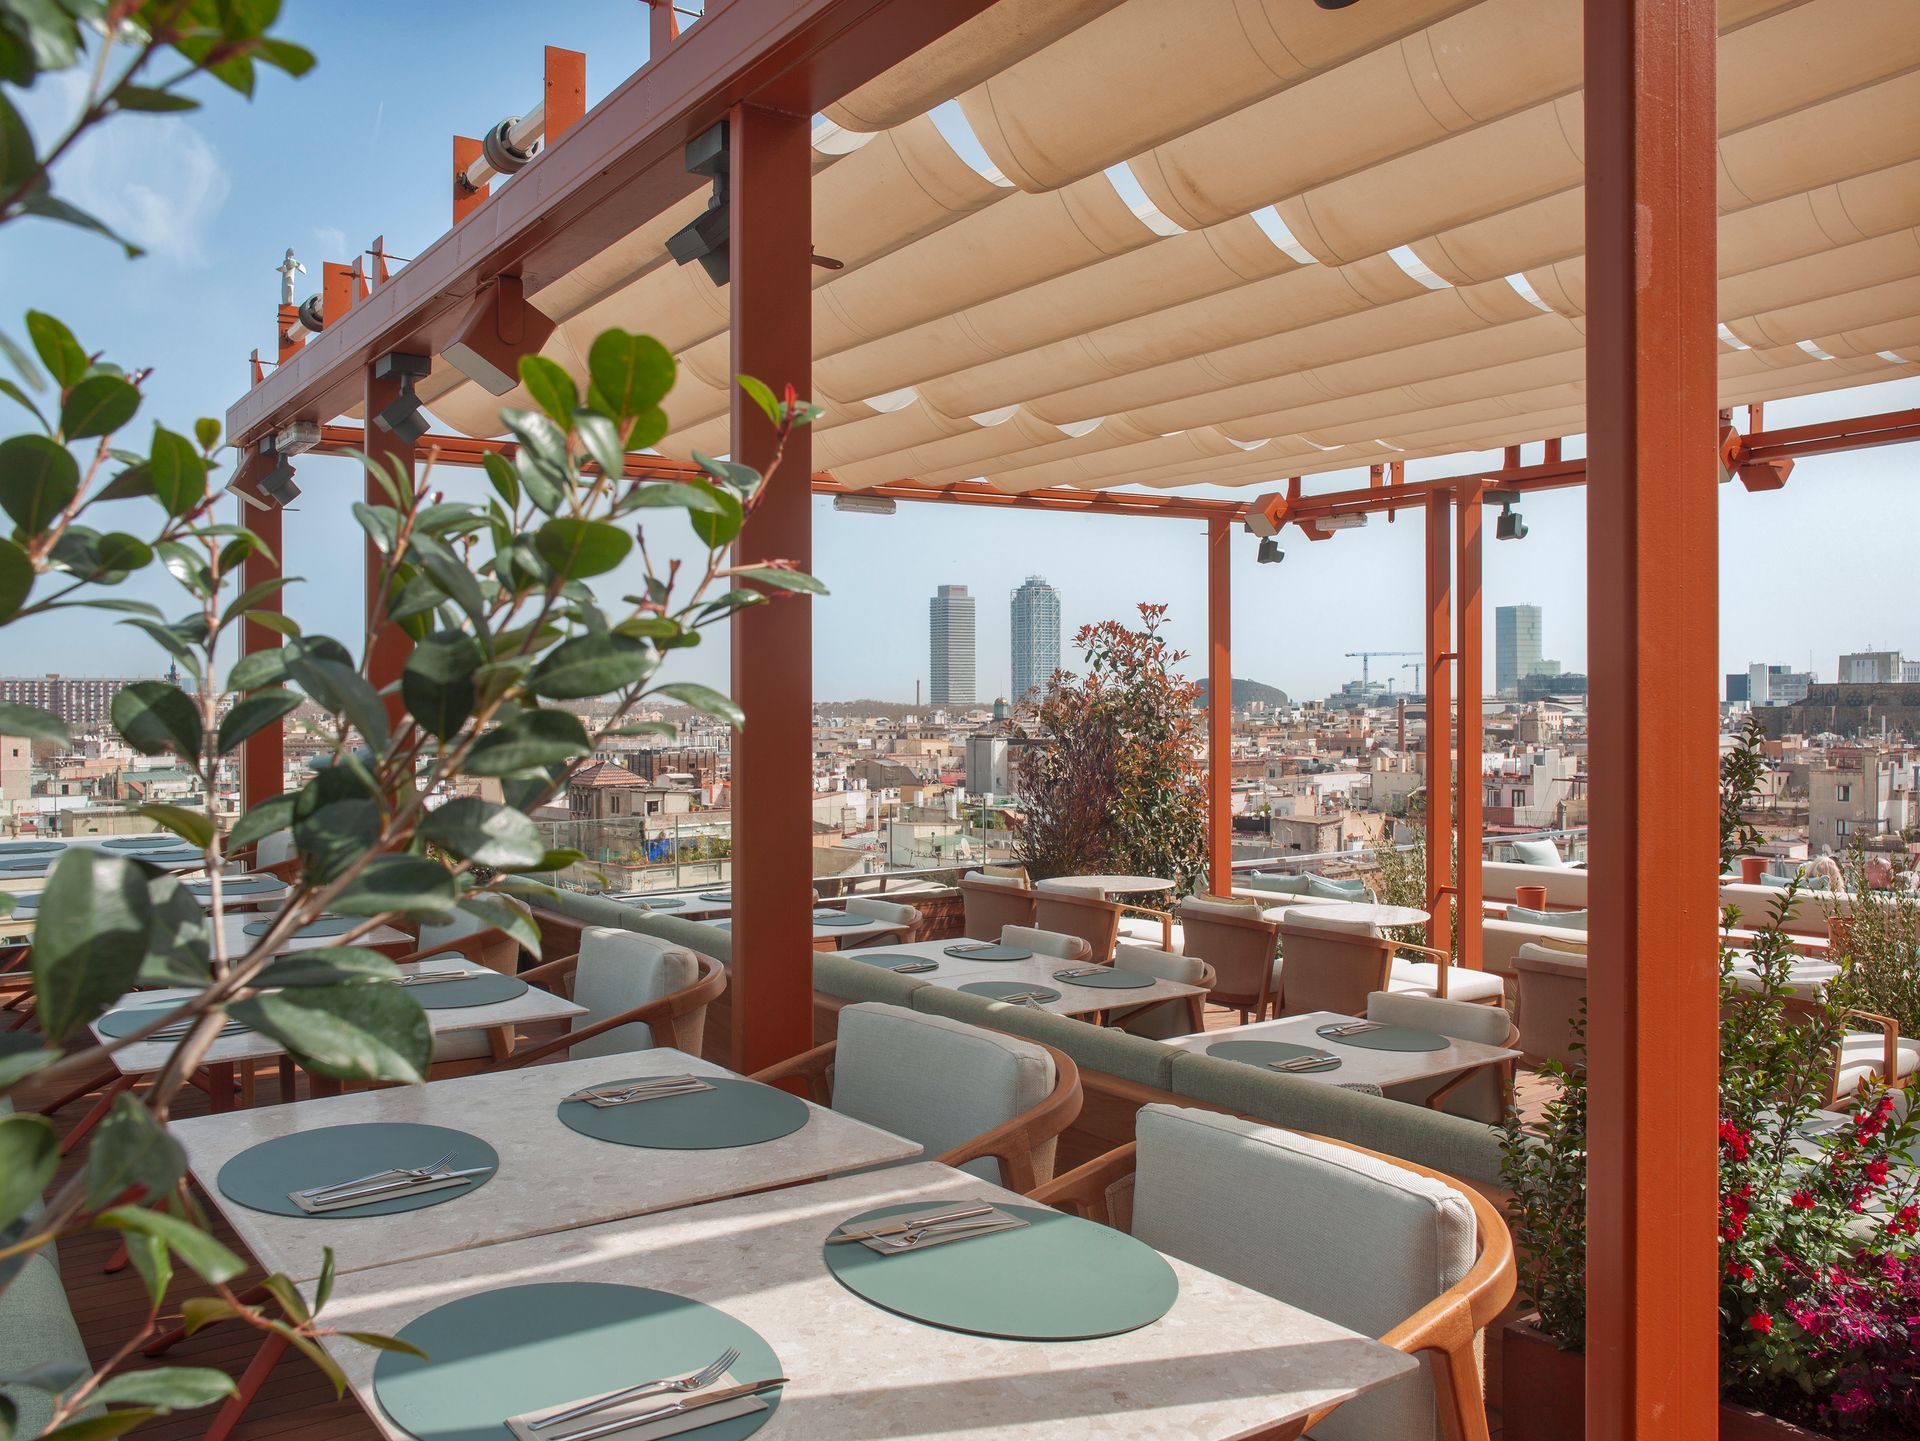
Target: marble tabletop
[[956, 971], [1357, 1063], [1370, 913], [233, 929], [1224, 1362], [550, 1178], [840, 937], [534, 1004], [691, 907], [1104, 886]]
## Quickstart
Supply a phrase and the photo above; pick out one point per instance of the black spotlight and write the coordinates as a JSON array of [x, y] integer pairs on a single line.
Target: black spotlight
[[401, 417], [1510, 526], [277, 486], [705, 239], [1270, 552]]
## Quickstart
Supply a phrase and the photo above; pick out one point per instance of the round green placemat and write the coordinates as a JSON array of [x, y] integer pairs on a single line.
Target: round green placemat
[[1265, 1053], [155, 842], [260, 1176], [128, 1019], [840, 918], [1057, 1279], [1111, 978], [734, 1113], [725, 897], [1000, 990], [1387, 1038], [325, 926], [525, 1348], [986, 951], [237, 886], [26, 904], [892, 959], [665, 903], [24, 848], [27, 865], [483, 989], [180, 856]]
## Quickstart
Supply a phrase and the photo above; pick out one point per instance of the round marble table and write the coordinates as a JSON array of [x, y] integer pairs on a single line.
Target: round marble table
[[1106, 886], [1369, 912]]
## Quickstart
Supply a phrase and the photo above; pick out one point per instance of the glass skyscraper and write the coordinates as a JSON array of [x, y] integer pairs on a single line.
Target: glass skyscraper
[[1516, 646], [950, 632], [1036, 637]]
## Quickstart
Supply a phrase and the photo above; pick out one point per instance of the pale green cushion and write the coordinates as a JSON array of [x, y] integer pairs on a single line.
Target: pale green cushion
[[1482, 1096], [1321, 888], [1046, 943], [849, 980], [1279, 885], [1168, 1019], [1565, 920], [37, 1329], [1351, 1238], [1537, 853], [1457, 1147], [1092, 1048], [891, 912], [595, 910], [932, 1080], [618, 970]]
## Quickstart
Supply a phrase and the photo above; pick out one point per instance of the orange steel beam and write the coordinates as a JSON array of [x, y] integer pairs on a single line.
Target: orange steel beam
[[387, 644], [1652, 582], [1220, 705], [1470, 784], [563, 91], [619, 165], [1439, 629], [262, 758], [770, 246], [466, 198]]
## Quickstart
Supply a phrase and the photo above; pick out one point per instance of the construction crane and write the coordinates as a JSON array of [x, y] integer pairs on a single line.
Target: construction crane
[[1416, 666], [1367, 655]]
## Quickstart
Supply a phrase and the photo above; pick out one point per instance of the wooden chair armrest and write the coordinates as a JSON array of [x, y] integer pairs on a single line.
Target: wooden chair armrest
[[1889, 1044], [810, 1067], [1014, 1142], [467, 946], [657, 1016], [556, 969], [1446, 957], [1083, 1191]]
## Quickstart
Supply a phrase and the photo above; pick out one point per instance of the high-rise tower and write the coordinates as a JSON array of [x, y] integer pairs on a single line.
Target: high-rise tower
[[950, 633], [1036, 637]]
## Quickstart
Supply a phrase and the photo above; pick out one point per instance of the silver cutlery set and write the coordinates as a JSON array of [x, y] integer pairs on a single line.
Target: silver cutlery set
[[387, 1185], [1355, 1029], [1304, 1063], [651, 1089], [689, 1393], [960, 1222], [914, 968]]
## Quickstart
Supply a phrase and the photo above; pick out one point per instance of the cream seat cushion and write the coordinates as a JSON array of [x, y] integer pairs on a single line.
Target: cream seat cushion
[[1169, 1019], [1863, 1054], [1349, 1237], [621, 969], [1423, 978], [933, 1080], [891, 912], [1046, 943]]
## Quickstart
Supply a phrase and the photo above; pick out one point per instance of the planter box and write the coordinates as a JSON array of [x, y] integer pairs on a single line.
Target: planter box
[[1543, 1394]]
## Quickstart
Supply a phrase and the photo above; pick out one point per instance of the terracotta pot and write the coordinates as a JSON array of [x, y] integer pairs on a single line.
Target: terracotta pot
[[1751, 869], [1543, 1387], [1532, 898]]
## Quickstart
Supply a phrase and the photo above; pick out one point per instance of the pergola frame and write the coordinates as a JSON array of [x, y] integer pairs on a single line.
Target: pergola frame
[[767, 66]]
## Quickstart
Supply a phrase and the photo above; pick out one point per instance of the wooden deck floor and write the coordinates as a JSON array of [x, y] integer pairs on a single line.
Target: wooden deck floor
[[297, 1403]]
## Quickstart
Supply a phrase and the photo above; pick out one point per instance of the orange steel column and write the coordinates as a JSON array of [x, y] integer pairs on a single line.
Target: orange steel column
[[1219, 706], [387, 644], [1439, 715], [1470, 785], [770, 245], [262, 758], [1652, 602]]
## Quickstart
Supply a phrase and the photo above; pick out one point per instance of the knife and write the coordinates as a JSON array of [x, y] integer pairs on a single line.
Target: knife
[[914, 968], [907, 1223], [672, 1408], [335, 1198]]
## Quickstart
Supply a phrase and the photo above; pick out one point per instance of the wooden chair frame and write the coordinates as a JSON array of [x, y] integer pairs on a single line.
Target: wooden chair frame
[[1888, 1028], [1013, 1143], [1102, 919], [493, 948], [969, 886], [667, 1019], [1444, 1327], [1195, 1005], [1256, 1003], [1506, 1067]]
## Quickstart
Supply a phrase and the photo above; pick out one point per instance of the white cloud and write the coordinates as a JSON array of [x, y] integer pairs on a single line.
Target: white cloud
[[153, 178]]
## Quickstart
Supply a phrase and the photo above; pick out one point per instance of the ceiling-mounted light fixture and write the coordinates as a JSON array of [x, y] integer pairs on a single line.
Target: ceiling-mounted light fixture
[[276, 486], [866, 504], [297, 437], [1344, 520], [705, 238], [498, 328], [1270, 552], [401, 417], [1509, 526]]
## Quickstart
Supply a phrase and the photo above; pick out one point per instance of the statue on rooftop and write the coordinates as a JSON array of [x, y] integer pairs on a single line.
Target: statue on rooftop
[[288, 268]]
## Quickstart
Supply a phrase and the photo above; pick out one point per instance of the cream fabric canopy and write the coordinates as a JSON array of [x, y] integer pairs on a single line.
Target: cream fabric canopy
[[1230, 241]]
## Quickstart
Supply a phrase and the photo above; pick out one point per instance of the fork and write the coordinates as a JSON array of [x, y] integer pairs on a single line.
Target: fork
[[699, 1380], [1084, 971], [907, 1240], [315, 1192], [1354, 1029]]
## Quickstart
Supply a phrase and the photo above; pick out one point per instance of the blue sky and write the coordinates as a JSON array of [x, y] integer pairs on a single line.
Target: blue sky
[[360, 147]]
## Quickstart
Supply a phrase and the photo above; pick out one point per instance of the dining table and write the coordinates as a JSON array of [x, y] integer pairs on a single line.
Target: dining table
[[1383, 1068], [1372, 913], [1105, 887], [1075, 998], [688, 905], [548, 1176], [836, 930], [1221, 1360]]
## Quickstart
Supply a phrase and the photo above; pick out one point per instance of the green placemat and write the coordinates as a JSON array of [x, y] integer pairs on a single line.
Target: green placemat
[[1057, 1279], [1001, 990], [27, 865], [1111, 978], [128, 1019], [481, 990], [985, 951], [154, 842], [734, 1113], [840, 918], [524, 1348], [1265, 1053], [724, 897], [24, 848], [260, 1176], [325, 926], [893, 959], [237, 886], [665, 903], [27, 904], [1387, 1038]]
